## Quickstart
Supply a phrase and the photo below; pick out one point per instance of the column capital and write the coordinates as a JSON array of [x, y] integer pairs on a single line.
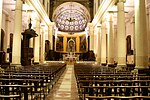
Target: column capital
[[90, 24], [117, 1], [51, 24], [99, 25], [23, 1]]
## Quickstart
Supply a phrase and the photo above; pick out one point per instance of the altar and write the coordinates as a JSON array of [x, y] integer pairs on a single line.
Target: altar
[[70, 57]]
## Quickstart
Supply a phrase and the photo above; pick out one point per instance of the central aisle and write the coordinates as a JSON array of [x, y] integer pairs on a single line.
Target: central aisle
[[65, 89]]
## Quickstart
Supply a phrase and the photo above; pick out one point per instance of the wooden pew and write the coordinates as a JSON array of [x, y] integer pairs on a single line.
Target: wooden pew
[[117, 97], [33, 75], [113, 77], [127, 84], [10, 97], [97, 82], [114, 90], [17, 90]]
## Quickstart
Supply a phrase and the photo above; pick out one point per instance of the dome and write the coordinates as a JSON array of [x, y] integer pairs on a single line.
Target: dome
[[71, 17]]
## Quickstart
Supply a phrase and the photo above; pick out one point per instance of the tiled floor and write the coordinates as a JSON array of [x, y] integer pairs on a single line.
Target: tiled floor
[[65, 89]]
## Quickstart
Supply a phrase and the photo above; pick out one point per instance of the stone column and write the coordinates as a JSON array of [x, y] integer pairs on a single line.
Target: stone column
[[115, 44], [141, 43], [110, 42], [50, 35], [133, 25], [8, 37], [42, 53], [1, 8], [91, 30], [16, 51], [37, 42], [95, 38], [149, 33], [5, 36], [99, 45], [103, 44], [121, 36]]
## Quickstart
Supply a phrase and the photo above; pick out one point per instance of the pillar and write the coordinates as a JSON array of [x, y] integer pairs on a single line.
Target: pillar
[[16, 51], [91, 32], [1, 8], [103, 44], [115, 44], [8, 37], [37, 42], [133, 25], [42, 53], [50, 35], [149, 33], [95, 40], [110, 42], [121, 36], [141, 43], [99, 45]]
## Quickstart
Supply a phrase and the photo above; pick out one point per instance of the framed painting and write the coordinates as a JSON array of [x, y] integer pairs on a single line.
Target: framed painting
[[59, 43], [83, 45]]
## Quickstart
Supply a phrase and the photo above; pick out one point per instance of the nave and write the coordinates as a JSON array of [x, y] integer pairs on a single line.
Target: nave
[[72, 81], [65, 88]]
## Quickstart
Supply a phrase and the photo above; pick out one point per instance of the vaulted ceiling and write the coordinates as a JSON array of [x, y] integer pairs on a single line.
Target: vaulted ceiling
[[9, 6], [71, 17], [86, 3]]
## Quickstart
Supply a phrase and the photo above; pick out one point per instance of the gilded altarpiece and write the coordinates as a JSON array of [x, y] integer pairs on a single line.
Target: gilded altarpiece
[[80, 43]]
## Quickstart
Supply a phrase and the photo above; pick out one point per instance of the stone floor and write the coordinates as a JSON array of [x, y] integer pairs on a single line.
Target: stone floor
[[65, 89]]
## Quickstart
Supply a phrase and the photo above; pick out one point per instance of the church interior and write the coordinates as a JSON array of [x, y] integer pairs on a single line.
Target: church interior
[[74, 49]]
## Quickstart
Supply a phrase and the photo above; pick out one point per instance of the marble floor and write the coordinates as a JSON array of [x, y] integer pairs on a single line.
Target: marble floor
[[65, 88]]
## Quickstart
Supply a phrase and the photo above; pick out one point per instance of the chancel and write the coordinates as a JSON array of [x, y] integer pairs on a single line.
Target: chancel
[[74, 49]]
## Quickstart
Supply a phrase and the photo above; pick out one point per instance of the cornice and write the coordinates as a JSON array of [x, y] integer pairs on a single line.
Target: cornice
[[40, 10], [116, 1], [103, 8]]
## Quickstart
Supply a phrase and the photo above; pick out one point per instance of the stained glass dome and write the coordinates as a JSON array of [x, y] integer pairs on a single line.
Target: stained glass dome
[[71, 17]]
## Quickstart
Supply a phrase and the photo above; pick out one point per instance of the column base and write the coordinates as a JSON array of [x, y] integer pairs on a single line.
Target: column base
[[35, 63], [145, 70], [103, 64], [121, 68], [16, 66], [111, 65], [98, 63]]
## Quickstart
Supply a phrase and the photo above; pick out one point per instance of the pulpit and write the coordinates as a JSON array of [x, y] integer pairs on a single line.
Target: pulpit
[[26, 51]]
